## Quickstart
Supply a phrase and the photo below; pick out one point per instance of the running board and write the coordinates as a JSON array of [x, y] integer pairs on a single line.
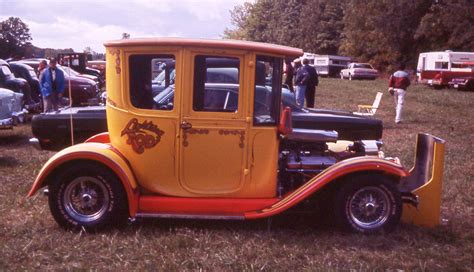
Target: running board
[[190, 216]]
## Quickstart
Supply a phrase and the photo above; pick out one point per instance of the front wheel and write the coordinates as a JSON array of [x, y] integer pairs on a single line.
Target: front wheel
[[87, 195], [368, 204]]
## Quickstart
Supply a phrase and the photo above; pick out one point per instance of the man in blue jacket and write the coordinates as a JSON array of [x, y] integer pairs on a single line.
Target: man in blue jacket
[[52, 86]]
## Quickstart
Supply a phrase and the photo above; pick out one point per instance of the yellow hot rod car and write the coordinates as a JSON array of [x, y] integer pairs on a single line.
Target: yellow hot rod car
[[224, 148]]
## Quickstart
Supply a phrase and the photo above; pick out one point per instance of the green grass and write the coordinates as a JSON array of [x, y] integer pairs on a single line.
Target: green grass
[[31, 240]]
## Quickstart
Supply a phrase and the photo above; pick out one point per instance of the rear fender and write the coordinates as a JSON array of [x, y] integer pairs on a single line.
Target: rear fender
[[99, 138], [424, 184], [99, 152], [331, 174]]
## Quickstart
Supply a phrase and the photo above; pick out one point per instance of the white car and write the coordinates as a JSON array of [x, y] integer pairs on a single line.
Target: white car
[[11, 111], [359, 71]]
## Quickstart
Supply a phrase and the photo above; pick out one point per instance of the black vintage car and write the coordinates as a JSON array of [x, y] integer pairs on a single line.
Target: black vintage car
[[52, 131], [22, 70], [18, 85]]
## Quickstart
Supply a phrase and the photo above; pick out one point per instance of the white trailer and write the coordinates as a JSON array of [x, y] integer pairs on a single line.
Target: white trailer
[[431, 65], [328, 65]]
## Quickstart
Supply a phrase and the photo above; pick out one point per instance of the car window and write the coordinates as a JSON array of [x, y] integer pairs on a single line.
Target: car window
[[6, 71], [267, 90], [144, 69], [209, 70], [32, 73]]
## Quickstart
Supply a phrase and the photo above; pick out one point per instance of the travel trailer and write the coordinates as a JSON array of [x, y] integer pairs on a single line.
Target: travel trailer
[[328, 65], [438, 68]]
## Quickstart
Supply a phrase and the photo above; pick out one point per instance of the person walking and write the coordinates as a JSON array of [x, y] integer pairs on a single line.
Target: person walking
[[313, 81], [398, 84], [52, 85], [301, 81]]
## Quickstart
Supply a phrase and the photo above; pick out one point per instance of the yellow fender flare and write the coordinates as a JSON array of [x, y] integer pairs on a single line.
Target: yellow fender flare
[[93, 151]]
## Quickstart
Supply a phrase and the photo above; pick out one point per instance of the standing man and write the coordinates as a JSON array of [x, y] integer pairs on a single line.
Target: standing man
[[288, 73], [52, 86], [301, 80], [398, 84], [313, 81]]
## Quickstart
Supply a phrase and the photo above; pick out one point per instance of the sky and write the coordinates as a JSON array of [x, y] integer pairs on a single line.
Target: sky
[[79, 24]]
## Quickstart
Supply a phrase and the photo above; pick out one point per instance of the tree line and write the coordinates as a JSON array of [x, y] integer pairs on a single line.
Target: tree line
[[382, 32]]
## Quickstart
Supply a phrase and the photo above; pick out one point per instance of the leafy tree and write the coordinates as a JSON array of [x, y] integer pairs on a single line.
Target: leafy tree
[[322, 25], [447, 25], [14, 37], [382, 31]]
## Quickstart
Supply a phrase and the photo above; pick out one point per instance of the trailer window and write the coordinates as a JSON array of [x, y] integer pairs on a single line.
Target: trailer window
[[441, 65]]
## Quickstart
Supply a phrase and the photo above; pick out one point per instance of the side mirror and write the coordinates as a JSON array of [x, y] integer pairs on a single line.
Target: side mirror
[[286, 123]]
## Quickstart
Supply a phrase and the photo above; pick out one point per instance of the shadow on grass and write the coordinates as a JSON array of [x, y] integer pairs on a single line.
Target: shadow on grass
[[7, 161], [13, 140]]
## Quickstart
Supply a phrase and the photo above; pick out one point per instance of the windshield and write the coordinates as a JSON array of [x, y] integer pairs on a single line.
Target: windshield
[[6, 71], [32, 73], [363, 65], [69, 70]]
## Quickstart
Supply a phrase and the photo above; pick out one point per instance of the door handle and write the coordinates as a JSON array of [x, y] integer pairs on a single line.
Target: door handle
[[186, 125]]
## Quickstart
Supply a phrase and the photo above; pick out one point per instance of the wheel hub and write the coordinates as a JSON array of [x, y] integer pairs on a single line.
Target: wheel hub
[[369, 207], [86, 199]]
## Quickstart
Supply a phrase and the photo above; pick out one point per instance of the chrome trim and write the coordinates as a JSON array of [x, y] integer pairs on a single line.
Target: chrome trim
[[190, 216], [6, 123], [35, 143]]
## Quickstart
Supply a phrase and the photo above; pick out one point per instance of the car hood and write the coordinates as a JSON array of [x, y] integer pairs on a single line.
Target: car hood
[[79, 80], [350, 127]]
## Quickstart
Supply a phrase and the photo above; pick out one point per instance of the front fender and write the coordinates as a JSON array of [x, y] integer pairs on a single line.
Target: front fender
[[99, 152], [346, 167]]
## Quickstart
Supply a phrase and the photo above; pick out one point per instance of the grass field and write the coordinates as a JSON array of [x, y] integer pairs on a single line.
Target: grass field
[[31, 240]]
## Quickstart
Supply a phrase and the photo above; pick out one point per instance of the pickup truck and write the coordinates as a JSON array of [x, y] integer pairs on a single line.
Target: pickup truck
[[226, 151]]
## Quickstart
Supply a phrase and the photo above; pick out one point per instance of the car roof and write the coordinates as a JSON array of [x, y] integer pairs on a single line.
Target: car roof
[[208, 43], [21, 64]]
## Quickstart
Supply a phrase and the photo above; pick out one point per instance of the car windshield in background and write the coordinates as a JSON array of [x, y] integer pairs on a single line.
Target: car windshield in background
[[32, 73], [6, 71], [363, 65]]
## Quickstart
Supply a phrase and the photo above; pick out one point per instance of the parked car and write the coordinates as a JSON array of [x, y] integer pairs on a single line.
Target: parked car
[[84, 91], [11, 108], [21, 70], [359, 71], [18, 85], [462, 83], [202, 159], [52, 131], [78, 62]]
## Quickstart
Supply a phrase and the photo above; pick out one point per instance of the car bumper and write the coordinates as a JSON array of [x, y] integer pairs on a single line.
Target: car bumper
[[6, 123], [35, 143], [362, 76]]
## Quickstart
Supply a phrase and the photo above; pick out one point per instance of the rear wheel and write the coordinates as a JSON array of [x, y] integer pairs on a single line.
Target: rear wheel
[[368, 203], [88, 195]]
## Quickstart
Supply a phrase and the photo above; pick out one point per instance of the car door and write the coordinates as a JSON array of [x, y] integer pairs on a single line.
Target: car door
[[213, 127]]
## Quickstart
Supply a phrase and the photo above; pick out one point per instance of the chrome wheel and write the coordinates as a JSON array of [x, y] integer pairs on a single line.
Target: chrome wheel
[[86, 199], [368, 203], [369, 207]]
